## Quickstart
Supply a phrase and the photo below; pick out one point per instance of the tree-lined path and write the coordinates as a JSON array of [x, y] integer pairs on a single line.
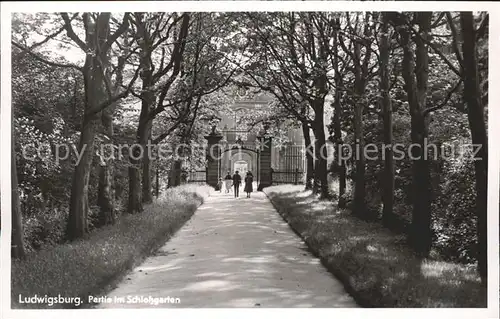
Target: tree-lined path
[[234, 253]]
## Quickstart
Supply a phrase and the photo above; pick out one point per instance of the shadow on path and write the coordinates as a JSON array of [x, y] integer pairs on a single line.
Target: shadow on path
[[377, 266]]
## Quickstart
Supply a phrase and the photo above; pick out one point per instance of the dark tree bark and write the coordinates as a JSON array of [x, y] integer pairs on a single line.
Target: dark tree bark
[[157, 184], [415, 75], [98, 41], [148, 104], [388, 192], [140, 152], [147, 180], [361, 73], [97, 44], [359, 206], [105, 196], [140, 184], [175, 173], [140, 169], [309, 149], [305, 54], [106, 190], [17, 244], [475, 110]]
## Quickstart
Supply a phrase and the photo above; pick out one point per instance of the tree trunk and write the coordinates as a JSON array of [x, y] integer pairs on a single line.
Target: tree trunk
[[361, 69], [147, 105], [175, 173], [309, 149], [134, 189], [97, 34], [137, 165], [388, 192], [472, 96], [147, 178], [144, 133], [157, 184], [359, 206], [17, 244], [337, 128], [420, 236], [77, 226]]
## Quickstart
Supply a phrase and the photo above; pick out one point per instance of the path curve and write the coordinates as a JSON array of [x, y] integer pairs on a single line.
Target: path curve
[[232, 253]]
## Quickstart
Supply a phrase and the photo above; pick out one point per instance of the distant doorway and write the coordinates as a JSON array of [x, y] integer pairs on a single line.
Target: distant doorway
[[240, 166]]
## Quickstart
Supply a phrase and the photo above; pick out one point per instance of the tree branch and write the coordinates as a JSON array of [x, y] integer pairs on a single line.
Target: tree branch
[[117, 97], [49, 37], [438, 52], [123, 27], [483, 26], [455, 40], [438, 20], [445, 101]]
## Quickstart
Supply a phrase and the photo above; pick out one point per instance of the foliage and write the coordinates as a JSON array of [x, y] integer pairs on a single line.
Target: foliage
[[372, 264]]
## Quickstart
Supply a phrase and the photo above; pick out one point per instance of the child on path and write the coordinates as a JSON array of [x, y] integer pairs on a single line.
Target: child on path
[[236, 184], [228, 181], [220, 185]]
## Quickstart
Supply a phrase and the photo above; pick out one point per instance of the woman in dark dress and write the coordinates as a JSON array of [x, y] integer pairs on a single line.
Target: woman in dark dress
[[228, 180], [248, 184]]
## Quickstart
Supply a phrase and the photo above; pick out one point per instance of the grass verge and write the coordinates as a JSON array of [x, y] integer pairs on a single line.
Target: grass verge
[[375, 266], [87, 267]]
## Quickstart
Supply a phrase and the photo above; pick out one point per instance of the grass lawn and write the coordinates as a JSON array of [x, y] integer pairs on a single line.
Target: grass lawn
[[377, 268], [88, 267]]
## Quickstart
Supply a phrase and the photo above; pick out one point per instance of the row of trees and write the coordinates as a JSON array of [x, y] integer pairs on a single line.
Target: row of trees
[[168, 67]]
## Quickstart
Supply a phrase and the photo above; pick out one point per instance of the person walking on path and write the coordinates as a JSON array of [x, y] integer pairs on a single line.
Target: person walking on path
[[248, 183], [236, 184], [228, 182]]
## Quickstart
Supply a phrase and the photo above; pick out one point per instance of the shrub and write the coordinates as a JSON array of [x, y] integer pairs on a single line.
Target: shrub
[[45, 227], [85, 267]]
